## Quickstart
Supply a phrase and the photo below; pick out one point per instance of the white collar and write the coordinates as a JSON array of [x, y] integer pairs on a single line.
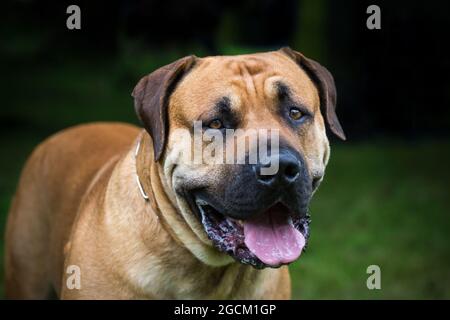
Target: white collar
[[138, 181]]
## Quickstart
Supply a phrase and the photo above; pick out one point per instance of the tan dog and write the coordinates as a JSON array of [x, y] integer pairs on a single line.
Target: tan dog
[[206, 231]]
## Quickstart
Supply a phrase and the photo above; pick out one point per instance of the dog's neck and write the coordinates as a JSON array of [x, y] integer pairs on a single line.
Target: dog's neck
[[145, 169], [175, 241], [163, 203]]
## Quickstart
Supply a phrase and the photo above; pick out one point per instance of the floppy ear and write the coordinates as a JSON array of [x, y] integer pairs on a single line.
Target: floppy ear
[[325, 84], [151, 97]]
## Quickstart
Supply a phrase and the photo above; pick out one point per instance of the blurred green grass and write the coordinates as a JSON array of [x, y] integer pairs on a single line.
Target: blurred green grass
[[382, 202]]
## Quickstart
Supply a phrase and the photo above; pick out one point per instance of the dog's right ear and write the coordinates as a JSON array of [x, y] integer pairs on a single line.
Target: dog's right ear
[[151, 98], [325, 84]]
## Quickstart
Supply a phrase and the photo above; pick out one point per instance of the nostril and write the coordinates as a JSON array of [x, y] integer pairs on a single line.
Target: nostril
[[265, 178], [291, 171]]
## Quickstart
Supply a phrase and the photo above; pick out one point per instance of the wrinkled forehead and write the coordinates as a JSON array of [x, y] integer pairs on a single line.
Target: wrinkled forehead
[[246, 80]]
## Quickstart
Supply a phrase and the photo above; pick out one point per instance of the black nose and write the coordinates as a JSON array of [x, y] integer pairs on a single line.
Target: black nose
[[287, 173]]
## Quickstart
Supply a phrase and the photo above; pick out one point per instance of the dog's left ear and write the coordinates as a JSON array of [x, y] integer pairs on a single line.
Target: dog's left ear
[[325, 84], [151, 98]]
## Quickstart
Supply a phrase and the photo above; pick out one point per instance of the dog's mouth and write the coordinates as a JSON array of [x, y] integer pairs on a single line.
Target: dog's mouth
[[272, 238]]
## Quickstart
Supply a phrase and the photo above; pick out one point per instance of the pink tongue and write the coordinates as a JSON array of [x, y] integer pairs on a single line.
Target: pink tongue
[[273, 238]]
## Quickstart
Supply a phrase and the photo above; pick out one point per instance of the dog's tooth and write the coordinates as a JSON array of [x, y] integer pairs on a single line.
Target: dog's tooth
[[290, 221], [237, 221], [201, 202]]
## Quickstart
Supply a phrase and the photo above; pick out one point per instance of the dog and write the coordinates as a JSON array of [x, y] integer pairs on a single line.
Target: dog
[[108, 210]]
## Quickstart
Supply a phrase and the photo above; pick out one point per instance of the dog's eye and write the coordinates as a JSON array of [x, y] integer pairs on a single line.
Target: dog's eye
[[295, 113], [215, 124]]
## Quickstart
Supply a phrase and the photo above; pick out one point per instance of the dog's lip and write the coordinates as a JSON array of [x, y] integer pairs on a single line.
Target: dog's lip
[[203, 203], [200, 202], [226, 234], [237, 248]]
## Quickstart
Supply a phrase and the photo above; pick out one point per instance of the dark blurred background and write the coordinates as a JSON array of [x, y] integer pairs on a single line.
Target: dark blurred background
[[385, 199]]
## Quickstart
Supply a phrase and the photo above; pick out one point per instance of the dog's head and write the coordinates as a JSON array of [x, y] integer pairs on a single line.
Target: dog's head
[[245, 192]]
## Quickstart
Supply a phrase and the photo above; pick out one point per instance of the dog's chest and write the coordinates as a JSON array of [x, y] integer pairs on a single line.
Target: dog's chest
[[203, 282]]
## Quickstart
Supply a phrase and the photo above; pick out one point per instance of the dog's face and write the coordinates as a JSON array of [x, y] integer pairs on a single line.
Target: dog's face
[[253, 205]]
